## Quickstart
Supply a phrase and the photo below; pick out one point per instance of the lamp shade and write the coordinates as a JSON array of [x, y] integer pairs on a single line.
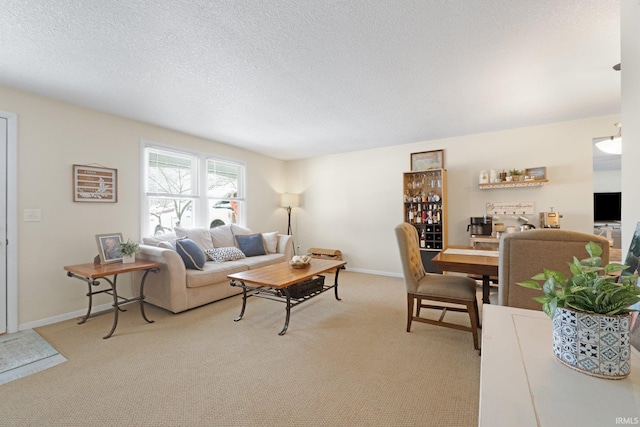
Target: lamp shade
[[289, 200]]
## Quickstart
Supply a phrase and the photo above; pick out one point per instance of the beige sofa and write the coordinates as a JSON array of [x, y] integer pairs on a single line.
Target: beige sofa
[[177, 288]]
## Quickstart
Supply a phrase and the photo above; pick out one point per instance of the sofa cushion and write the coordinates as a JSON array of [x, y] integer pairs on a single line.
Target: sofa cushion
[[214, 272], [201, 236], [263, 260], [230, 253], [190, 253], [164, 237], [271, 242], [251, 245], [240, 231], [222, 236]]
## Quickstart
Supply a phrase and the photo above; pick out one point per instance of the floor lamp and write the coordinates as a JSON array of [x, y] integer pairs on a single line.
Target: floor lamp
[[289, 200]]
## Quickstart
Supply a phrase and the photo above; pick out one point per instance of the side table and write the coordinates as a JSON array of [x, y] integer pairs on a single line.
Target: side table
[[91, 272]]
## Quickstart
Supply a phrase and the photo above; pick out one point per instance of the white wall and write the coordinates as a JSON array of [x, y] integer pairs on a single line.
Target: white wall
[[353, 201], [630, 23], [52, 136], [607, 181]]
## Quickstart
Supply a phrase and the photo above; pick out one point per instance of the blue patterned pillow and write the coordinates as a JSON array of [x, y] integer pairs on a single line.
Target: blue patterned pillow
[[251, 245], [191, 254], [230, 253]]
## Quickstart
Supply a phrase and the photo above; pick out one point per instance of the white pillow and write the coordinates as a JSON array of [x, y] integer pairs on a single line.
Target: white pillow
[[240, 231], [270, 242], [222, 236], [164, 237], [167, 245], [201, 236]]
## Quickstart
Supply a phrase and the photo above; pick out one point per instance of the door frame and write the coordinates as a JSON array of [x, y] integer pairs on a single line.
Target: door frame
[[12, 220]]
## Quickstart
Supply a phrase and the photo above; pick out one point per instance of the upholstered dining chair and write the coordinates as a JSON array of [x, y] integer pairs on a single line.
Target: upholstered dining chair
[[526, 253], [456, 291]]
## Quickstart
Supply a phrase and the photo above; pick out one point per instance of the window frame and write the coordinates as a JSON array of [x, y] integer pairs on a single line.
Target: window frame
[[200, 197]]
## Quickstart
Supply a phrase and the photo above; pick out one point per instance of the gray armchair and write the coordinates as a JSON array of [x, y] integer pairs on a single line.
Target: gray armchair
[[434, 287], [527, 253]]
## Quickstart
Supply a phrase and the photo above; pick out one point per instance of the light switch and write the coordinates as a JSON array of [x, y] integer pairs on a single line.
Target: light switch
[[32, 215]]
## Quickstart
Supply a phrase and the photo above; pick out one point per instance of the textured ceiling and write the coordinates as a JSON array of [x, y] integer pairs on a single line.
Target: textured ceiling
[[295, 79]]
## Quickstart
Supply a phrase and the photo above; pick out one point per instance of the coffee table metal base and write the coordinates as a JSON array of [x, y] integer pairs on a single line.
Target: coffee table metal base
[[281, 295]]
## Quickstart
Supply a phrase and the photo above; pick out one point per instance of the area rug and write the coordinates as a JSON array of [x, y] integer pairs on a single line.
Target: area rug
[[24, 353]]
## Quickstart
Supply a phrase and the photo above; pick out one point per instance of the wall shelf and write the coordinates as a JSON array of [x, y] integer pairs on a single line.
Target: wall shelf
[[514, 184]]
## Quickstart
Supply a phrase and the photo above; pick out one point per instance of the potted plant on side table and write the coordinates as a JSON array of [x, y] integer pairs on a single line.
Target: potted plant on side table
[[128, 250], [591, 313]]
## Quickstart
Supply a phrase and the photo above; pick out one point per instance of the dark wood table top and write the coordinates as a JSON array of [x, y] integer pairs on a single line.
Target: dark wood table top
[[95, 271], [281, 275], [467, 263]]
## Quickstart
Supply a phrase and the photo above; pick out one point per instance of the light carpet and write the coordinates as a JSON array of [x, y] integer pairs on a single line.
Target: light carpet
[[341, 363], [24, 353]]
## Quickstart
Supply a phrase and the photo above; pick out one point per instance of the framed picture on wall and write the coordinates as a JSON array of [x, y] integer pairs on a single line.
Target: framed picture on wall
[[108, 247], [427, 160], [95, 184]]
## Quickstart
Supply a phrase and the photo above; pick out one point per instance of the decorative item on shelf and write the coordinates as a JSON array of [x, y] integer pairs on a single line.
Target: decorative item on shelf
[[128, 250], [484, 177], [591, 314], [427, 160], [300, 261], [108, 248], [516, 174]]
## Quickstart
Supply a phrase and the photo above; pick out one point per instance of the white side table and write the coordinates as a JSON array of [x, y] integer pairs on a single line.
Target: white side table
[[521, 383]]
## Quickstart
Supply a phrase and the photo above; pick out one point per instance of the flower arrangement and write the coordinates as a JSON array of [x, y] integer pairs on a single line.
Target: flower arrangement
[[128, 247]]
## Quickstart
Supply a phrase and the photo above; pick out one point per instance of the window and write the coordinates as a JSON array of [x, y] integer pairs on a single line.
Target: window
[[173, 195]]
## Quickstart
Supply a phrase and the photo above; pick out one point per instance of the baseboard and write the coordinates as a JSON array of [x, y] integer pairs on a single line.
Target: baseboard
[[374, 272], [63, 317]]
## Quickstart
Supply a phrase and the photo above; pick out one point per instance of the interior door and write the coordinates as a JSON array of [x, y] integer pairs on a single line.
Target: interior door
[[4, 137]]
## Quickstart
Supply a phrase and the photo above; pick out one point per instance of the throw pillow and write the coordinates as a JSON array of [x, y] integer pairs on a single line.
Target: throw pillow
[[240, 231], [251, 245], [271, 242], [167, 245], [230, 253], [191, 254], [222, 236], [162, 237], [201, 236]]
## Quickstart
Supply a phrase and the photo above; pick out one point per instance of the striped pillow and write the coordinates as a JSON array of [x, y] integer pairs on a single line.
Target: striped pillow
[[191, 254]]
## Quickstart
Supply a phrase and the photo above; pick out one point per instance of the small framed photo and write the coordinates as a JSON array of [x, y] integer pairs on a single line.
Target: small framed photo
[[108, 247], [95, 184], [427, 160]]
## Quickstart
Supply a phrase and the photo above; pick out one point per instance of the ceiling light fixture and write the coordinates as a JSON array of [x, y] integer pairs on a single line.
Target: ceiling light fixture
[[613, 144]]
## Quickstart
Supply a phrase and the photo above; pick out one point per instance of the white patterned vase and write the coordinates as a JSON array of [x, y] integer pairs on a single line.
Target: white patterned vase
[[594, 344], [128, 258]]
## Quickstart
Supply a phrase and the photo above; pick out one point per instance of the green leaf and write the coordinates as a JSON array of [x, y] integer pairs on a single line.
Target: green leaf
[[593, 249], [614, 268], [529, 284]]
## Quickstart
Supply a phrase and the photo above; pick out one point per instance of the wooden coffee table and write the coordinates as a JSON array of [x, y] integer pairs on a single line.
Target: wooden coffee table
[[283, 283]]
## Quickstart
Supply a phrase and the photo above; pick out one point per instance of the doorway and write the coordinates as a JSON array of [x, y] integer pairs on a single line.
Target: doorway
[[8, 223], [607, 190]]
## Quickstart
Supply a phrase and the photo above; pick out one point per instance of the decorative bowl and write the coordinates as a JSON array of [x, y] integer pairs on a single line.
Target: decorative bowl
[[300, 261]]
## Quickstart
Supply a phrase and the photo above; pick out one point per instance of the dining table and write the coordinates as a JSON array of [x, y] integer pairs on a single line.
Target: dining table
[[464, 259]]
